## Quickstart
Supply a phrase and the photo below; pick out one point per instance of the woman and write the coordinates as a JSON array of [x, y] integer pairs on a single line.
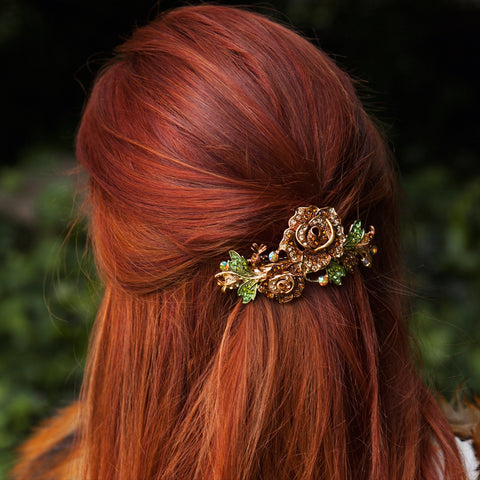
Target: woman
[[210, 129]]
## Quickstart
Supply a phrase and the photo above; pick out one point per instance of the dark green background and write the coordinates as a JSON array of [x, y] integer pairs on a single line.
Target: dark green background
[[418, 65]]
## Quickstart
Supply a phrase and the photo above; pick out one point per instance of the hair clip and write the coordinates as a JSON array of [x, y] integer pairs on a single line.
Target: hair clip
[[314, 248]]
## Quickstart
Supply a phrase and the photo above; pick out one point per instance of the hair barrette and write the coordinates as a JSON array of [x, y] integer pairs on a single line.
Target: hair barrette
[[314, 248]]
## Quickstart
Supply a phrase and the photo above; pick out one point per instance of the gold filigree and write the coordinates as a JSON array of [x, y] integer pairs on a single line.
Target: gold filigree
[[314, 241]]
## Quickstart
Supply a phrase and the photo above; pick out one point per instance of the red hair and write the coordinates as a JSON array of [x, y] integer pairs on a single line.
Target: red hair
[[206, 131]]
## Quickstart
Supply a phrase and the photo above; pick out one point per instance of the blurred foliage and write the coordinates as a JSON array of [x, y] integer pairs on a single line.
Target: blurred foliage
[[46, 302], [418, 65], [444, 259]]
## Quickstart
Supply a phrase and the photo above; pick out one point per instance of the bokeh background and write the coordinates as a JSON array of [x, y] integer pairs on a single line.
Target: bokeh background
[[417, 66]]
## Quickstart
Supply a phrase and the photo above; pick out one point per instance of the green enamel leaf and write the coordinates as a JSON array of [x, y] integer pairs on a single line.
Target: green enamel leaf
[[248, 291], [355, 235], [238, 264], [335, 273]]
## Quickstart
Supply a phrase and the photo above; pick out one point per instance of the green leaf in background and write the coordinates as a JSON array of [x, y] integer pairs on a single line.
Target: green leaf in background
[[47, 302]]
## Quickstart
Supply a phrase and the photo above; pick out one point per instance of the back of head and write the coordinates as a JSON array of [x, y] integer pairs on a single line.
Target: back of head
[[206, 131]]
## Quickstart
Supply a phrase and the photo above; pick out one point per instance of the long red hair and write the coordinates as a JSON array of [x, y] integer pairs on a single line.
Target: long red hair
[[206, 131]]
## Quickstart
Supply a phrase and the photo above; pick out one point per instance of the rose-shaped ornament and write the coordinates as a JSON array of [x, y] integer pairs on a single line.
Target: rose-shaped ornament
[[314, 237]]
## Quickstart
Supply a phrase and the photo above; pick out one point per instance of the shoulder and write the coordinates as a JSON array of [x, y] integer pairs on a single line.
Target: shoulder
[[50, 454], [464, 418], [469, 458]]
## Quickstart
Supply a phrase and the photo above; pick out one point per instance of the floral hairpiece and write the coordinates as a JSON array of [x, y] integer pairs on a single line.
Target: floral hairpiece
[[313, 243]]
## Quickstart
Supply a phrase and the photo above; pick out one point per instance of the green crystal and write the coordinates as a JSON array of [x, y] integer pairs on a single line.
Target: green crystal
[[248, 291], [238, 264], [335, 273], [355, 235]]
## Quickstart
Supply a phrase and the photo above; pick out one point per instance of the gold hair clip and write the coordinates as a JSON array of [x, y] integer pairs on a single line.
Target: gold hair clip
[[313, 243]]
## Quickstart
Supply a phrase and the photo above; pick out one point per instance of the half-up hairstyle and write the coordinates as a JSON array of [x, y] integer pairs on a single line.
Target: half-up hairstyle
[[204, 134]]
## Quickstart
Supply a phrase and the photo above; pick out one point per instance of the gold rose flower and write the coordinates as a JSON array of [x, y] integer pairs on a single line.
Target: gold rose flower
[[314, 237]]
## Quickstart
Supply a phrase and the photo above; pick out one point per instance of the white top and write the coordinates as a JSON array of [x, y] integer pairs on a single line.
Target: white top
[[469, 459]]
